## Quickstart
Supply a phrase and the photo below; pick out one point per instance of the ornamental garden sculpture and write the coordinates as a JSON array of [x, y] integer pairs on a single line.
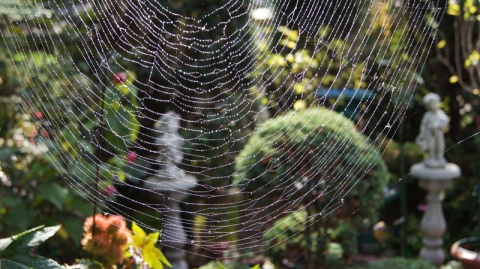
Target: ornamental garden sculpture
[[436, 175]]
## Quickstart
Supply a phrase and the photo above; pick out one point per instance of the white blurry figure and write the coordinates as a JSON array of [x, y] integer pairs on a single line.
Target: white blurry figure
[[170, 143], [431, 137]]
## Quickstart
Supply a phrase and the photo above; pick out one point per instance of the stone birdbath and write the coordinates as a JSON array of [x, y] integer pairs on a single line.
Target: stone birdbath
[[435, 175], [174, 184]]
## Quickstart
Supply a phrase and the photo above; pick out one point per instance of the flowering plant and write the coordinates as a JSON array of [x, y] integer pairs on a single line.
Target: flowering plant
[[109, 240]]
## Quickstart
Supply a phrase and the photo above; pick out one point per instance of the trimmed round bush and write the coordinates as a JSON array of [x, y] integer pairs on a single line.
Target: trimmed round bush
[[312, 160], [313, 157]]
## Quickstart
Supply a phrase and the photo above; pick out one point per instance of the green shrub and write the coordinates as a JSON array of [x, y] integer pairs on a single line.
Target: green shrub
[[397, 263], [316, 159]]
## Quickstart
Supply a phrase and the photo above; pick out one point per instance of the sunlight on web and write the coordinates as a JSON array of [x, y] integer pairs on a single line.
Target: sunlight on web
[[221, 110]]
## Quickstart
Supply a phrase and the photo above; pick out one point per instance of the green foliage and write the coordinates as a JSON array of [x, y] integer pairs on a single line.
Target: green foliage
[[33, 191], [220, 265], [18, 10], [288, 139], [15, 251], [397, 263], [290, 237], [282, 153]]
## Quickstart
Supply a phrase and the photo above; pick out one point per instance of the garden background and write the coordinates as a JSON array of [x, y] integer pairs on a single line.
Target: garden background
[[37, 141]]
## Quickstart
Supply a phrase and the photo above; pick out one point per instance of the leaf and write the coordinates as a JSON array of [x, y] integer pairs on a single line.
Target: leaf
[[453, 8], [299, 104], [12, 264], [4, 243], [54, 193], [74, 229], [453, 79], [30, 261], [221, 266], [19, 217], [159, 254], [441, 44], [31, 238]]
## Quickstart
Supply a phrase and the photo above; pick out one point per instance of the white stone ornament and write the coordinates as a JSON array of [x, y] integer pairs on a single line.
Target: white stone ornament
[[431, 138], [435, 176], [174, 183]]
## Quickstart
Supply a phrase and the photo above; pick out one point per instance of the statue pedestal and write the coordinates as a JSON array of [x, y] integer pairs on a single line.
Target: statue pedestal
[[433, 226], [173, 235]]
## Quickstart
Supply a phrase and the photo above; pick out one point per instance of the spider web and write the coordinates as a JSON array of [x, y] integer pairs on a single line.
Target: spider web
[[115, 70]]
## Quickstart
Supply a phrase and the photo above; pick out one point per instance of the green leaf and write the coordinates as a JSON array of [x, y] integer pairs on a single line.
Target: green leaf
[[221, 266], [54, 193], [12, 264], [7, 152], [30, 261], [4, 243], [75, 230], [31, 238], [19, 217]]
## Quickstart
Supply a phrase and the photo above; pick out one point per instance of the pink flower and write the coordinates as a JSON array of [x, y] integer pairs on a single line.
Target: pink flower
[[45, 133], [108, 190], [131, 156], [119, 78], [422, 207], [38, 114]]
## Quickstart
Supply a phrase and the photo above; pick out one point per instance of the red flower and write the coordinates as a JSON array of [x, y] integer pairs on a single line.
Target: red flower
[[108, 190], [38, 114], [131, 156], [120, 78], [45, 133]]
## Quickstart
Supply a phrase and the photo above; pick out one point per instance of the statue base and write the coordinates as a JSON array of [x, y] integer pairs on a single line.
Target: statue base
[[433, 225]]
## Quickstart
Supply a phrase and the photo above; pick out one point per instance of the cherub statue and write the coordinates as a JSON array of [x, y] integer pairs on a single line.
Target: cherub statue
[[431, 137], [170, 143]]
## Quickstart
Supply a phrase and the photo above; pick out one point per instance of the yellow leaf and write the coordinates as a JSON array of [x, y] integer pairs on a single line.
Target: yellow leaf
[[161, 257], [453, 79], [291, 44], [121, 175], [300, 104], [264, 100], [453, 8], [290, 58], [65, 146], [441, 44], [152, 238], [137, 230], [299, 88]]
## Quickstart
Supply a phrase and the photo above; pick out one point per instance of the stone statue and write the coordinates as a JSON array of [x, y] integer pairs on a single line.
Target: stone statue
[[431, 137], [174, 184], [170, 144]]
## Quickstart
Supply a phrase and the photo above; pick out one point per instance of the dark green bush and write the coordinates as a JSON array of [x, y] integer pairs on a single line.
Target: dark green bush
[[313, 158], [397, 263]]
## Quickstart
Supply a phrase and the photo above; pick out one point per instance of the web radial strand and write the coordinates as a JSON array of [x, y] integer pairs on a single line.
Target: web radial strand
[[251, 85]]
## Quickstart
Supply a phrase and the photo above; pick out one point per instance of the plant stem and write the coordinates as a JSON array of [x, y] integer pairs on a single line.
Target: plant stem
[[101, 139]]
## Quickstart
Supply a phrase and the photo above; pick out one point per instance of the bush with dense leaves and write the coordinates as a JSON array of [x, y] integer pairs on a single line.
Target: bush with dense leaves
[[317, 159], [302, 153], [397, 263]]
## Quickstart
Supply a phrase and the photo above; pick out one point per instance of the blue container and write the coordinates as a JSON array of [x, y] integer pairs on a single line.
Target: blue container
[[346, 101]]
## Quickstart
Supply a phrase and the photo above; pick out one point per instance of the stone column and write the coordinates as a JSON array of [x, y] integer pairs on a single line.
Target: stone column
[[173, 234], [433, 226]]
